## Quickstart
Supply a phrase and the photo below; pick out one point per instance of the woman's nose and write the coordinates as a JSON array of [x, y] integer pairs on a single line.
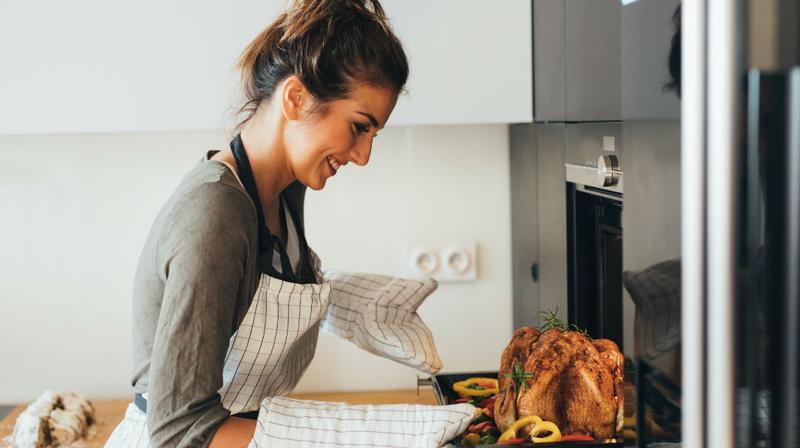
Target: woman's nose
[[360, 153]]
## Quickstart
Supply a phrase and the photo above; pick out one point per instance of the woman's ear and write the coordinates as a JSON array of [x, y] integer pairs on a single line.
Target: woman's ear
[[293, 97]]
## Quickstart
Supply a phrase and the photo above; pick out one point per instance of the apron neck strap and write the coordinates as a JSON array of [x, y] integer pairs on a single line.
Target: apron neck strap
[[267, 241]]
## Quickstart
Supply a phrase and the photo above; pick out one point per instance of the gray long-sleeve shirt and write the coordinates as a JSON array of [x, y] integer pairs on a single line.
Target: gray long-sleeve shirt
[[194, 283]]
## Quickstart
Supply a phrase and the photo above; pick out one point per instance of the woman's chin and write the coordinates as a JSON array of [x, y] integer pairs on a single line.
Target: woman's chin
[[318, 184], [314, 182]]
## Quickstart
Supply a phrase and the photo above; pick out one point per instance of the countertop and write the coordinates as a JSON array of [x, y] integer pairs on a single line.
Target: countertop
[[110, 412]]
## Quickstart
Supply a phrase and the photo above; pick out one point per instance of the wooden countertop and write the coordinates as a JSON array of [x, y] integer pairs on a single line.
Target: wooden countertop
[[109, 412]]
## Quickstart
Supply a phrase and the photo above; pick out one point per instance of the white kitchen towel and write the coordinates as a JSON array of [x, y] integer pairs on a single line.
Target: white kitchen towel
[[287, 422], [379, 314]]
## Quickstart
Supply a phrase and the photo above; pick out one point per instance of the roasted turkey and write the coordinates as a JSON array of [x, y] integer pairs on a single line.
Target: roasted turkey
[[569, 379]]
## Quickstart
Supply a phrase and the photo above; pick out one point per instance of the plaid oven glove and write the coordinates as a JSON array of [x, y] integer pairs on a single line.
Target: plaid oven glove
[[379, 314], [287, 422]]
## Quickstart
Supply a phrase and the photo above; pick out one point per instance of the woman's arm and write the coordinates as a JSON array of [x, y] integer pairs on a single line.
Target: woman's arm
[[201, 257], [234, 432]]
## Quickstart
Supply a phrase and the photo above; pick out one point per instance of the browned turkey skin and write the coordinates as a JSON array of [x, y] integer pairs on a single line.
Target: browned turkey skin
[[505, 407], [574, 382]]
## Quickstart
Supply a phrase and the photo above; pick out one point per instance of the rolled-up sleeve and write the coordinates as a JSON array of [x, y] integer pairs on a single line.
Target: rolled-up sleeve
[[201, 256]]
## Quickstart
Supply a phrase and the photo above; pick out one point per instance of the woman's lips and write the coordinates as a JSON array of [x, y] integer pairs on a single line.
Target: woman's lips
[[333, 165]]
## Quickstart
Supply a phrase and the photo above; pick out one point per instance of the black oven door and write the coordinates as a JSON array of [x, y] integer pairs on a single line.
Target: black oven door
[[594, 244]]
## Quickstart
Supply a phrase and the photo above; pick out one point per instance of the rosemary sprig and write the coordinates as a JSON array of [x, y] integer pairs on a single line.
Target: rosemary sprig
[[582, 331], [520, 376], [549, 320]]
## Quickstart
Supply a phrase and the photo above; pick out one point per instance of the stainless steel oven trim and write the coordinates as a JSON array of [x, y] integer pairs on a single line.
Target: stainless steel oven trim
[[597, 192], [587, 175]]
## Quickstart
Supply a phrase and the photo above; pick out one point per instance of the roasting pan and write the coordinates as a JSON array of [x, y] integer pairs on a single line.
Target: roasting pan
[[443, 390]]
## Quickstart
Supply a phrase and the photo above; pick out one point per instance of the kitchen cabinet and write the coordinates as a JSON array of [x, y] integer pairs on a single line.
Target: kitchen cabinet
[[471, 62], [549, 60], [552, 192], [539, 221], [524, 223], [93, 66], [577, 60], [647, 32], [592, 60], [97, 66]]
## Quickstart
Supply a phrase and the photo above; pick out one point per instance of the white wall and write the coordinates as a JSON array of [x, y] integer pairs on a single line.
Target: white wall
[[74, 211]]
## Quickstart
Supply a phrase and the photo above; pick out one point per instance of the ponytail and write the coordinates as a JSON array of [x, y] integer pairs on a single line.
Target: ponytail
[[329, 45]]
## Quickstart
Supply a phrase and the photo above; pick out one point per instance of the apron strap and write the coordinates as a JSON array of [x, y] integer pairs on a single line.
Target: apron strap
[[140, 402], [283, 253], [306, 274], [267, 241]]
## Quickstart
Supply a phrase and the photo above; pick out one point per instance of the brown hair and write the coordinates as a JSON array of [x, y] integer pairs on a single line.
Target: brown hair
[[329, 45]]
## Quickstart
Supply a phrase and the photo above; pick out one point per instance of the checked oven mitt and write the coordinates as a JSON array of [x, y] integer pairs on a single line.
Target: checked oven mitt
[[287, 422], [378, 313]]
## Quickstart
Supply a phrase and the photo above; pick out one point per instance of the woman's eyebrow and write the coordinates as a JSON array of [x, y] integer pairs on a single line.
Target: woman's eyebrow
[[371, 118]]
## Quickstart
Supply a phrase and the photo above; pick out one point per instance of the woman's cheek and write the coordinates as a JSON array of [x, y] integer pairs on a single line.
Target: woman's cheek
[[345, 138]]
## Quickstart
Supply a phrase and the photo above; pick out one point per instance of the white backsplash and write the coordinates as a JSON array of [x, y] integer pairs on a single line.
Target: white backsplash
[[76, 209]]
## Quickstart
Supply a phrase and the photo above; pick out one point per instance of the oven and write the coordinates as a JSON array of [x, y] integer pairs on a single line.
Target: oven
[[594, 203]]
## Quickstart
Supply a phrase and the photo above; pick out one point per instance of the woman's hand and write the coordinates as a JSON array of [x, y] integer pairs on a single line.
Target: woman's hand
[[234, 432]]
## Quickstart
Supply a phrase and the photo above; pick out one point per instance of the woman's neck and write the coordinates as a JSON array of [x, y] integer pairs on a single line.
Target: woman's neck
[[262, 138]]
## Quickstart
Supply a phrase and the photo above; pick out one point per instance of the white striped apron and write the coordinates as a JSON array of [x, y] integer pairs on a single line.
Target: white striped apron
[[267, 355]]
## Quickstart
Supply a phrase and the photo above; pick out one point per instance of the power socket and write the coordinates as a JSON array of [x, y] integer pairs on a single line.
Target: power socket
[[451, 262]]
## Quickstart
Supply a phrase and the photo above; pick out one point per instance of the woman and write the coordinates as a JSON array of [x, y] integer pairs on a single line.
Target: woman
[[228, 248]]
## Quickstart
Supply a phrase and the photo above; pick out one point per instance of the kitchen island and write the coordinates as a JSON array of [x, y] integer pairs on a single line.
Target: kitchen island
[[110, 412]]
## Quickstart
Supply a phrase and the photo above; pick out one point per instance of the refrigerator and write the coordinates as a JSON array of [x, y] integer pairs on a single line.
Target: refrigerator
[[656, 202]]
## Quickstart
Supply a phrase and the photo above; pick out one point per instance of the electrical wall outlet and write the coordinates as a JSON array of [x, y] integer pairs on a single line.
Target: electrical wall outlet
[[452, 262]]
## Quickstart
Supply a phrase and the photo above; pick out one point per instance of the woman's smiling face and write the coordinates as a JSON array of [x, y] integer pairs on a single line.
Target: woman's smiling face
[[319, 145]]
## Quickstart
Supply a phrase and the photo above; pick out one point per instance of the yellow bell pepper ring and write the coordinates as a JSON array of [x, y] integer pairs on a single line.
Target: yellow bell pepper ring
[[511, 432], [479, 388], [542, 427]]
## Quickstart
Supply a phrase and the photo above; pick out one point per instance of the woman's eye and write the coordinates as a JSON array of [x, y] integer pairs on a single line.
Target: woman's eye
[[361, 128]]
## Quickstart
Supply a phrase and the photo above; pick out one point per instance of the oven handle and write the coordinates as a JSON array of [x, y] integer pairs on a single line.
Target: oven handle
[[588, 176]]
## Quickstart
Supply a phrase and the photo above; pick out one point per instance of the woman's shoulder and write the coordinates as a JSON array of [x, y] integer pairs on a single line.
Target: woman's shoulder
[[208, 217], [209, 195], [212, 174], [212, 180]]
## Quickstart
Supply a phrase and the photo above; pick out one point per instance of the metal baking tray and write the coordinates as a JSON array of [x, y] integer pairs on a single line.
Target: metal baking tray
[[443, 390]]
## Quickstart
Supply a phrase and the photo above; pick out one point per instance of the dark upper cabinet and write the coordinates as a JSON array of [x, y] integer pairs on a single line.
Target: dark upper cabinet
[[538, 221], [593, 60], [548, 61], [647, 33], [524, 222], [577, 67]]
